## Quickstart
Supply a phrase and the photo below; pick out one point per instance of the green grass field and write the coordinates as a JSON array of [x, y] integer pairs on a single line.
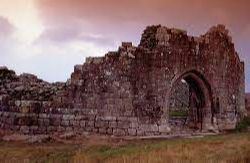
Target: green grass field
[[233, 147]]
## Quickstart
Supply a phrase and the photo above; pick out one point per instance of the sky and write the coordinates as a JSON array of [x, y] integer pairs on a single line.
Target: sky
[[49, 37]]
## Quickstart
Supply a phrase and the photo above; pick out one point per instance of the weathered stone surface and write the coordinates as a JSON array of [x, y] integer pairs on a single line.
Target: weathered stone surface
[[27, 138], [127, 92], [248, 102], [15, 137], [67, 135], [164, 129], [119, 132], [132, 132], [38, 139]]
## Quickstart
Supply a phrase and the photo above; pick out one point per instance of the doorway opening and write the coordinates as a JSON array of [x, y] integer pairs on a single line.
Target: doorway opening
[[188, 102]]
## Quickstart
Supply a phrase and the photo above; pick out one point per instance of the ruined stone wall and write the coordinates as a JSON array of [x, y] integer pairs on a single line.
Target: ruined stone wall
[[247, 97], [179, 97], [23, 99], [127, 92], [212, 55]]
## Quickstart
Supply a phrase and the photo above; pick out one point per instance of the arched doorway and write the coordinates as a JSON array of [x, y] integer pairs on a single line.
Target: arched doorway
[[190, 102]]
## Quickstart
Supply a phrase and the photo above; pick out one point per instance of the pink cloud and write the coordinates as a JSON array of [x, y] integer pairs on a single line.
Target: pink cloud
[[5, 27], [125, 20], [64, 34]]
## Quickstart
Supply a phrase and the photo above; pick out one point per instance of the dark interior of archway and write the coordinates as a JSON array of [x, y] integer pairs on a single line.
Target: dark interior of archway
[[186, 102]]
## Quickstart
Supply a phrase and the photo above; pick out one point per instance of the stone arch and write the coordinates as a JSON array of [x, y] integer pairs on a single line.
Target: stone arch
[[202, 89]]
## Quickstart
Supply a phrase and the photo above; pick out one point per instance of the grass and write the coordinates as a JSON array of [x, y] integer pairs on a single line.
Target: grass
[[31, 153], [178, 113], [233, 147], [243, 124]]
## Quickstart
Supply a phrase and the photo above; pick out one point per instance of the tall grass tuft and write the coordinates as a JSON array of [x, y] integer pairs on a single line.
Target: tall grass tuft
[[243, 124]]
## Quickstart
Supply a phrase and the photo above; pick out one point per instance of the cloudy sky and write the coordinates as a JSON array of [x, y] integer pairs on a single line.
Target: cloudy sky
[[48, 37]]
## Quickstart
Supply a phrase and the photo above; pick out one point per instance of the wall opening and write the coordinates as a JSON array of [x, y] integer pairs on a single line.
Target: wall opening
[[189, 101]]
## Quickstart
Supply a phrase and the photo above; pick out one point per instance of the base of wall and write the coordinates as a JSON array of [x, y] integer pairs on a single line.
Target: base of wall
[[32, 124]]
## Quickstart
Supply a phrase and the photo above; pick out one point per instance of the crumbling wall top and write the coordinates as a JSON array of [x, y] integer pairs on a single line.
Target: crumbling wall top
[[161, 35], [218, 31], [218, 28], [5, 73]]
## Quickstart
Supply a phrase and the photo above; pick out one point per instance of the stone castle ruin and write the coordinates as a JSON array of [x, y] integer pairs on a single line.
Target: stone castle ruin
[[248, 103], [170, 84]]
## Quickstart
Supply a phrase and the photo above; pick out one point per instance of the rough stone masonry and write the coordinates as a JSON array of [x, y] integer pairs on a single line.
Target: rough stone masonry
[[127, 92], [248, 102]]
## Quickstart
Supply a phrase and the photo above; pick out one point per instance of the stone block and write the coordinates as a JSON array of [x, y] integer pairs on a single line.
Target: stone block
[[113, 124], [82, 123], [134, 125], [119, 132], [140, 132], [90, 124], [149, 128], [68, 117], [69, 129], [51, 129], [123, 124], [24, 129], [43, 115], [102, 130], [41, 130], [132, 132], [47, 122], [109, 131], [65, 123], [75, 123], [40, 122], [101, 124], [164, 129]]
